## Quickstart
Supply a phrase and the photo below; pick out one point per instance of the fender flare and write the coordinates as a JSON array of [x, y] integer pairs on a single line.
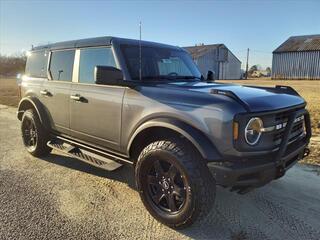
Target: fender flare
[[31, 101], [205, 147]]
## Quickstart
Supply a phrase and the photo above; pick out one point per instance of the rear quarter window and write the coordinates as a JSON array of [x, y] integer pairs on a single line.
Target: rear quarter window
[[36, 65]]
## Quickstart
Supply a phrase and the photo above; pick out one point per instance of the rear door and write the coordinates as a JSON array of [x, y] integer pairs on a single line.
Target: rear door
[[95, 110], [55, 93]]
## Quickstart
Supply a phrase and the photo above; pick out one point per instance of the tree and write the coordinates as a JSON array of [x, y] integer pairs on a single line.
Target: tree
[[252, 69], [268, 70], [12, 65]]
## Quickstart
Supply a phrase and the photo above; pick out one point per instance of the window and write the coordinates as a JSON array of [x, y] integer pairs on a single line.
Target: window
[[61, 65], [173, 65], [91, 57], [160, 63], [37, 64]]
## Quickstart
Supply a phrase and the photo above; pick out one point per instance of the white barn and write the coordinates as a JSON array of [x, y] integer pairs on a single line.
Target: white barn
[[217, 58], [297, 58]]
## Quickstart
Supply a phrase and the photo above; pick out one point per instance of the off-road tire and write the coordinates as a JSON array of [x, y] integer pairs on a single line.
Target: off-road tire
[[202, 186], [40, 148]]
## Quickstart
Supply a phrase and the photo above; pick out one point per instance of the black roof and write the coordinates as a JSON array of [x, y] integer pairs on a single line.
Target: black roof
[[98, 41], [300, 43]]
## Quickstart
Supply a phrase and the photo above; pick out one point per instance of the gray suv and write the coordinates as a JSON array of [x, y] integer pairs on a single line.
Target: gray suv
[[110, 101]]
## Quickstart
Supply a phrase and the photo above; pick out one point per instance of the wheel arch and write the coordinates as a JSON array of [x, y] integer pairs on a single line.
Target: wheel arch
[[33, 103], [168, 127]]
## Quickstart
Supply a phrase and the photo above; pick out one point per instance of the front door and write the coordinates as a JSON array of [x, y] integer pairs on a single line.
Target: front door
[[55, 93], [95, 110]]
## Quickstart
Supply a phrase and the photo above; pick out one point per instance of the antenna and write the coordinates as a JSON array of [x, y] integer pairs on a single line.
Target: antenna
[[140, 60]]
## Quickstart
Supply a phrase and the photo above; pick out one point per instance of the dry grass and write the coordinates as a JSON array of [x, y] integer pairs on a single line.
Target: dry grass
[[310, 91], [9, 92]]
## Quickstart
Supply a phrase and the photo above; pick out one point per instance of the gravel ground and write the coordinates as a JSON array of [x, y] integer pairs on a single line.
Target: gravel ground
[[58, 197]]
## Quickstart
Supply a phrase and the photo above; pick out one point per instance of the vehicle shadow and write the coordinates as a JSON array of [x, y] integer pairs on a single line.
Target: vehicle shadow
[[286, 207], [264, 213], [210, 227], [124, 174]]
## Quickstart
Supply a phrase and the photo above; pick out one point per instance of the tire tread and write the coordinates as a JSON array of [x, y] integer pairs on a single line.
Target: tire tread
[[197, 170]]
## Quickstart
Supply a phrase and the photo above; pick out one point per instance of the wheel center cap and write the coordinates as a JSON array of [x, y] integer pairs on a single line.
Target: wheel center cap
[[165, 184]]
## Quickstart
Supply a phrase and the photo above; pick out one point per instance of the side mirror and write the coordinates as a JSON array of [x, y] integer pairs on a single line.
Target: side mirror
[[107, 75], [210, 76]]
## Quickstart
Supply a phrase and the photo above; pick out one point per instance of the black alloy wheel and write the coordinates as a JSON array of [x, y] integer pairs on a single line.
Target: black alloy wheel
[[174, 182], [166, 186], [34, 135], [29, 134]]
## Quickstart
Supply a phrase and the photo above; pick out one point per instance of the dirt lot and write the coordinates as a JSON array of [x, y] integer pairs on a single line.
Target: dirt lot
[[58, 197], [310, 90]]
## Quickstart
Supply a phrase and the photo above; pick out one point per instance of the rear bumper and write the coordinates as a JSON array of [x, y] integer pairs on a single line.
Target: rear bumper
[[243, 174]]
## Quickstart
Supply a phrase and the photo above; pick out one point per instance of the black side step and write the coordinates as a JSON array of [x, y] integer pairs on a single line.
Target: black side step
[[89, 155]]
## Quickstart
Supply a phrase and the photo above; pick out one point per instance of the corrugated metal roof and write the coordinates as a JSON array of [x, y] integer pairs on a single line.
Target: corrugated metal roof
[[198, 51], [300, 43]]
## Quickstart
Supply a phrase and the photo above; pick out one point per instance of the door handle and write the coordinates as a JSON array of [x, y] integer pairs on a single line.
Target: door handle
[[45, 92], [76, 97]]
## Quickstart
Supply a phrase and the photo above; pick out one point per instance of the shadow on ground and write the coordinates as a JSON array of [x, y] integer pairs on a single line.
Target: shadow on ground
[[284, 209], [124, 174]]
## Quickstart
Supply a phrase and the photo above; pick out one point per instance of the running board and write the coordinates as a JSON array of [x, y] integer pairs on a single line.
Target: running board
[[89, 155]]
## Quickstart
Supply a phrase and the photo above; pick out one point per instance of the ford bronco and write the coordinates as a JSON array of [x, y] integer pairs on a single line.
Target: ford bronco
[[110, 101]]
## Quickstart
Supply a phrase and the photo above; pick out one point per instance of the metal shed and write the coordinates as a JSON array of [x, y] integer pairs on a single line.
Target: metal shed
[[217, 58], [297, 58]]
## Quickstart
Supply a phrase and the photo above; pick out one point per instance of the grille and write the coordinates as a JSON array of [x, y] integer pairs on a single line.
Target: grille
[[297, 129]]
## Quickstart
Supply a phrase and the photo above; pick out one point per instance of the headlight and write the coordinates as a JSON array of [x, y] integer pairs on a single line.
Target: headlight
[[253, 131]]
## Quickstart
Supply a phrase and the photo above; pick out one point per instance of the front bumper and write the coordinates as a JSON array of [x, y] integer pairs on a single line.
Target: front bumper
[[243, 174]]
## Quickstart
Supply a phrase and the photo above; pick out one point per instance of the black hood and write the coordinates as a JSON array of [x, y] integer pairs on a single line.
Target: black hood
[[257, 99]]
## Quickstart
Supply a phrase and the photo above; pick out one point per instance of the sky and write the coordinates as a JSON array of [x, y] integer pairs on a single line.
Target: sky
[[260, 26]]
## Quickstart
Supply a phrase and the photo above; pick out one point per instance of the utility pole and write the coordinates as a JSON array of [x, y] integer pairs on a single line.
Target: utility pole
[[247, 66]]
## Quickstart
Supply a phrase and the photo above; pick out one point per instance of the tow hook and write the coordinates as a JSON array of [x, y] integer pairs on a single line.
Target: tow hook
[[306, 152]]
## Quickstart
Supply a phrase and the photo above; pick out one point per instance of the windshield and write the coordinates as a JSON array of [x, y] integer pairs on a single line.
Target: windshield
[[159, 63]]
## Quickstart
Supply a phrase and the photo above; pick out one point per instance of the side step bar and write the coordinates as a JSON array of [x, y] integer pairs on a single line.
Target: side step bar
[[86, 154]]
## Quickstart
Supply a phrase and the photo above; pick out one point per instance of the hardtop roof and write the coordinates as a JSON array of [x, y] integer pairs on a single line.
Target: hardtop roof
[[98, 41]]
